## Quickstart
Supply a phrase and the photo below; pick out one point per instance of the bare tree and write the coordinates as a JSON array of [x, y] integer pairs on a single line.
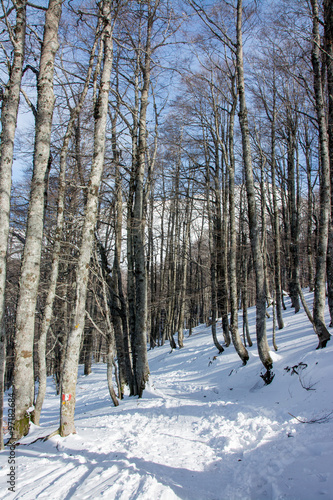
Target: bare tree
[[30, 271], [263, 347], [328, 47], [47, 315], [69, 377], [9, 111], [320, 277], [137, 208]]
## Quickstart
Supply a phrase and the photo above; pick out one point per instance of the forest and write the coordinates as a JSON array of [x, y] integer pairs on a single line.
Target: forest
[[163, 164]]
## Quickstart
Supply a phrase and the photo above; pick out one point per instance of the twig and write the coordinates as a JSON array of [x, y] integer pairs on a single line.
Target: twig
[[42, 438], [319, 420]]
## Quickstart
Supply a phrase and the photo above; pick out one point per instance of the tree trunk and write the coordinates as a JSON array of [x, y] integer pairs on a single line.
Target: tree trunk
[[48, 309], [118, 306], [236, 339], [320, 277], [69, 378], [9, 110], [276, 225], [111, 346], [244, 271], [263, 347], [328, 33], [184, 263], [224, 278], [293, 213], [139, 344], [309, 243], [30, 271], [213, 258], [110, 364]]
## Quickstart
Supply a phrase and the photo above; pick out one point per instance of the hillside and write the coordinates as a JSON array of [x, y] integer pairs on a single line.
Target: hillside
[[207, 428]]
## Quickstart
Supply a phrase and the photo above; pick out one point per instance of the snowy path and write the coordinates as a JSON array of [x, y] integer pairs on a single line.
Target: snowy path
[[205, 429]]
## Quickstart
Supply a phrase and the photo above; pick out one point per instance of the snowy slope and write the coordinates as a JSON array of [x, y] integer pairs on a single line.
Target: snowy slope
[[207, 428]]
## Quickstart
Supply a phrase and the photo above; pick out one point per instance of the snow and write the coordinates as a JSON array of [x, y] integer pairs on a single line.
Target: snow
[[206, 428]]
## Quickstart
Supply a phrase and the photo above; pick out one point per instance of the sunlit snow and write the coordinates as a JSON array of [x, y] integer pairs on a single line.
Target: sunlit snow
[[206, 428]]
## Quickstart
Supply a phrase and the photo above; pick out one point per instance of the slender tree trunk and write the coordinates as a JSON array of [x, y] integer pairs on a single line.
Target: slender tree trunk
[[309, 244], [236, 339], [69, 378], [110, 345], [171, 264], [30, 271], [213, 258], [244, 271], [241, 350], [328, 33], [320, 277], [276, 224], [48, 309], [110, 365], [139, 344], [264, 222], [88, 343], [274, 325], [293, 213], [246, 329], [224, 268], [263, 347], [119, 316], [131, 291], [151, 275], [130, 266], [9, 110], [184, 263]]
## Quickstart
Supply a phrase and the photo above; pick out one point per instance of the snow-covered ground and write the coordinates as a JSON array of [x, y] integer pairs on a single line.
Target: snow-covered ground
[[207, 428]]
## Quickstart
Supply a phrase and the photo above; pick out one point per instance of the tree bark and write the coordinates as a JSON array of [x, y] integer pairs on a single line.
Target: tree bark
[[118, 305], [236, 339], [309, 243], [9, 110], [69, 377], [293, 212], [263, 347], [276, 224], [224, 278], [30, 271], [320, 277], [184, 263], [328, 46], [213, 257], [244, 272], [139, 339], [48, 309]]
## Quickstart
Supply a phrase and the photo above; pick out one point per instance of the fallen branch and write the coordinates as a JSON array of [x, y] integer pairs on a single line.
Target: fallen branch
[[42, 438], [298, 369], [316, 420]]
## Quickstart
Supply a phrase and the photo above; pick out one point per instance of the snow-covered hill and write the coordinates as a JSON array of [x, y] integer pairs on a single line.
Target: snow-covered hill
[[207, 428]]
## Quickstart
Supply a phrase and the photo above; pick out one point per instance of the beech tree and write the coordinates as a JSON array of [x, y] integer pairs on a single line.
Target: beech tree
[[328, 48], [30, 272], [9, 111], [137, 227], [320, 277], [48, 310], [216, 210], [108, 11], [263, 348]]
